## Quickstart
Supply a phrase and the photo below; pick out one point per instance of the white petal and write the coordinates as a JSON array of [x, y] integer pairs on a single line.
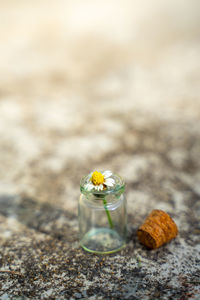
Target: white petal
[[98, 187], [109, 182], [107, 174], [89, 186], [101, 187]]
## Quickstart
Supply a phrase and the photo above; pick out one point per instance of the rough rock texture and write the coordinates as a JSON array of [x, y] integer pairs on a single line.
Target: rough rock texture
[[98, 85]]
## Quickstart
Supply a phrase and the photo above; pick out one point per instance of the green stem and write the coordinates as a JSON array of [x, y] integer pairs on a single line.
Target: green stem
[[108, 213]]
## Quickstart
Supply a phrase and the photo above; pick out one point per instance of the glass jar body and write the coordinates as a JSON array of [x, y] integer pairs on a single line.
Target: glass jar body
[[102, 222]]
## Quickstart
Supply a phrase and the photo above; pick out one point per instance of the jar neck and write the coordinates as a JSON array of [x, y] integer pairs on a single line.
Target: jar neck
[[99, 199], [115, 190]]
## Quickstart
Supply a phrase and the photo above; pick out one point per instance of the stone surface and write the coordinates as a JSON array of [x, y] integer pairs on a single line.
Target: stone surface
[[90, 85]]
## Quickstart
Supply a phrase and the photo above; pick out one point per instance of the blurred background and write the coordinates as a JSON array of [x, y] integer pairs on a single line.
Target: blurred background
[[98, 85], [92, 84]]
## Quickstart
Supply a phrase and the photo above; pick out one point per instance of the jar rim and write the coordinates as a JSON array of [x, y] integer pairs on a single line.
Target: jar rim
[[118, 187]]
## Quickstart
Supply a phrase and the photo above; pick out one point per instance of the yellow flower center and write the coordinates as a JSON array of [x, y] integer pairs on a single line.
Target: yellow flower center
[[97, 178]]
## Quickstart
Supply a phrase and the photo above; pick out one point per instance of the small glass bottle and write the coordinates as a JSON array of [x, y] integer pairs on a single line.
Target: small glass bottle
[[102, 217]]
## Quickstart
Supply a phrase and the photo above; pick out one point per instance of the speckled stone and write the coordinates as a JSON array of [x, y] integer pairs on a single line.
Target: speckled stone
[[98, 85]]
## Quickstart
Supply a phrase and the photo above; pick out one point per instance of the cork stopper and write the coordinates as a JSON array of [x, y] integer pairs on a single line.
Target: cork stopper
[[157, 229]]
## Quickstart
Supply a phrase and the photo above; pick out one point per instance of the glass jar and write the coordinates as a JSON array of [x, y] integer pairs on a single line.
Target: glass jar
[[102, 218]]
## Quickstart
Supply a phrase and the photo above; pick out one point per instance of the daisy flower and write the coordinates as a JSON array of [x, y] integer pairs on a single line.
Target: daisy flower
[[99, 181]]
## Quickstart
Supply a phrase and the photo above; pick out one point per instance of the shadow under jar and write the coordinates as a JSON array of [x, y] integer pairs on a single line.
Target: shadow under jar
[[103, 218]]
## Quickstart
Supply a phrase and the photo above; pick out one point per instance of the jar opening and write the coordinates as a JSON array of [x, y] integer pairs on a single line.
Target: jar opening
[[117, 187]]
